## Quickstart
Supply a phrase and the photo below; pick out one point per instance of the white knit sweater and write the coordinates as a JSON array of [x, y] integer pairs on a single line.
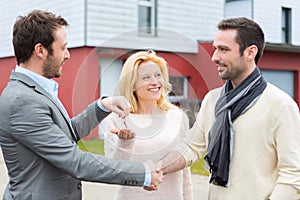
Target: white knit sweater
[[266, 150], [155, 136]]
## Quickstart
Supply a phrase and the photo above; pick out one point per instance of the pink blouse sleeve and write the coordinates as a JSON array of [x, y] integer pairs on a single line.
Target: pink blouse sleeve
[[187, 184], [186, 172], [113, 146]]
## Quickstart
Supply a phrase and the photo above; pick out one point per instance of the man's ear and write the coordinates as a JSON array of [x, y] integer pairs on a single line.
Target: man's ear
[[251, 52], [40, 51]]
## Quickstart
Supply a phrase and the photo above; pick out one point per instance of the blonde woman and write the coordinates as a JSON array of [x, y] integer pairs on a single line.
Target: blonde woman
[[155, 126]]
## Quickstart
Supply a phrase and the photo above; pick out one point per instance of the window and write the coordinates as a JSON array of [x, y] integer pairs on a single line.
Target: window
[[282, 79], [110, 70], [179, 88], [286, 25], [147, 17]]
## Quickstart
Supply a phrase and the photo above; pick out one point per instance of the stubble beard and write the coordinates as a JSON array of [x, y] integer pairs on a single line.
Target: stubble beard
[[51, 69]]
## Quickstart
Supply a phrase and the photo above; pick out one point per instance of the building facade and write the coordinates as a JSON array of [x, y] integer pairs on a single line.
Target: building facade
[[103, 33], [280, 23]]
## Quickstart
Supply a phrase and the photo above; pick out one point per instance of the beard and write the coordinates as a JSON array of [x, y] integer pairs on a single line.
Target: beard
[[232, 71], [51, 67]]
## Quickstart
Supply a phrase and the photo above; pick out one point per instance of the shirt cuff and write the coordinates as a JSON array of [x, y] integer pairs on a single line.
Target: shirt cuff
[[147, 181], [100, 104]]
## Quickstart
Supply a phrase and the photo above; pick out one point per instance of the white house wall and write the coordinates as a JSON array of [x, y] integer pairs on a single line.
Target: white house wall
[[70, 10], [197, 19], [270, 18], [180, 25], [268, 14], [107, 19], [113, 23], [238, 8]]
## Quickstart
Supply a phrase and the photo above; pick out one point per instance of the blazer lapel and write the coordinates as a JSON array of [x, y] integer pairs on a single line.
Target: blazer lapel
[[31, 83]]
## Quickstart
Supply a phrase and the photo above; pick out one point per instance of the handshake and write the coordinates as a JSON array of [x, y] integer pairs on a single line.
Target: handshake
[[172, 162], [157, 176]]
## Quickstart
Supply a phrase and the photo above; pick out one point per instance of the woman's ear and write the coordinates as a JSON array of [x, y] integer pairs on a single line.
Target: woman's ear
[[134, 88]]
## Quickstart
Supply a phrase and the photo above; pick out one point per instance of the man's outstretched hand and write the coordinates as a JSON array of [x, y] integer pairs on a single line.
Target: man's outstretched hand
[[156, 178]]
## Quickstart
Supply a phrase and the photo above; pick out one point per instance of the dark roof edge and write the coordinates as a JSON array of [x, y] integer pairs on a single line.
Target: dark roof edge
[[282, 47], [272, 46]]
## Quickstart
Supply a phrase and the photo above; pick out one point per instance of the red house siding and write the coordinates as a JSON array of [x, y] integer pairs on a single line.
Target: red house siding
[[6, 66], [79, 83], [276, 60], [283, 61]]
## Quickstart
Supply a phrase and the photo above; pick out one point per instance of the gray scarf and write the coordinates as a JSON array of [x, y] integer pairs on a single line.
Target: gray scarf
[[232, 103]]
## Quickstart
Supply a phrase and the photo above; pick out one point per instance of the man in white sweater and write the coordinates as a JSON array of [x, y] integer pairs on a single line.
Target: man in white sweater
[[249, 129]]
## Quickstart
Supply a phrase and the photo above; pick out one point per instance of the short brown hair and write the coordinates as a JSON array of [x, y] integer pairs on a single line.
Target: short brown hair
[[248, 33], [37, 27]]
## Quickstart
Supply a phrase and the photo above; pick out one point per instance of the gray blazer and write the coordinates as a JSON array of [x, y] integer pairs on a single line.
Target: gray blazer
[[40, 149]]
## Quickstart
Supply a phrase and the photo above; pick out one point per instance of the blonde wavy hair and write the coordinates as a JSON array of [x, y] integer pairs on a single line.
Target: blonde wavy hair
[[129, 75]]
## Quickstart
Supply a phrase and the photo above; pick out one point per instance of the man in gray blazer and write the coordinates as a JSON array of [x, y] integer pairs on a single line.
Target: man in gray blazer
[[37, 137]]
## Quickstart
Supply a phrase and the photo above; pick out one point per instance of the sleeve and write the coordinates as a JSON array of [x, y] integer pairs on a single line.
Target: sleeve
[[113, 146], [32, 125], [110, 140], [193, 145], [287, 136], [186, 173], [187, 184], [87, 120]]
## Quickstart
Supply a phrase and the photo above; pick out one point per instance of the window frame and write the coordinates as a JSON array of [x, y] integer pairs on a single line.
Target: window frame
[[143, 27], [286, 28], [176, 98]]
